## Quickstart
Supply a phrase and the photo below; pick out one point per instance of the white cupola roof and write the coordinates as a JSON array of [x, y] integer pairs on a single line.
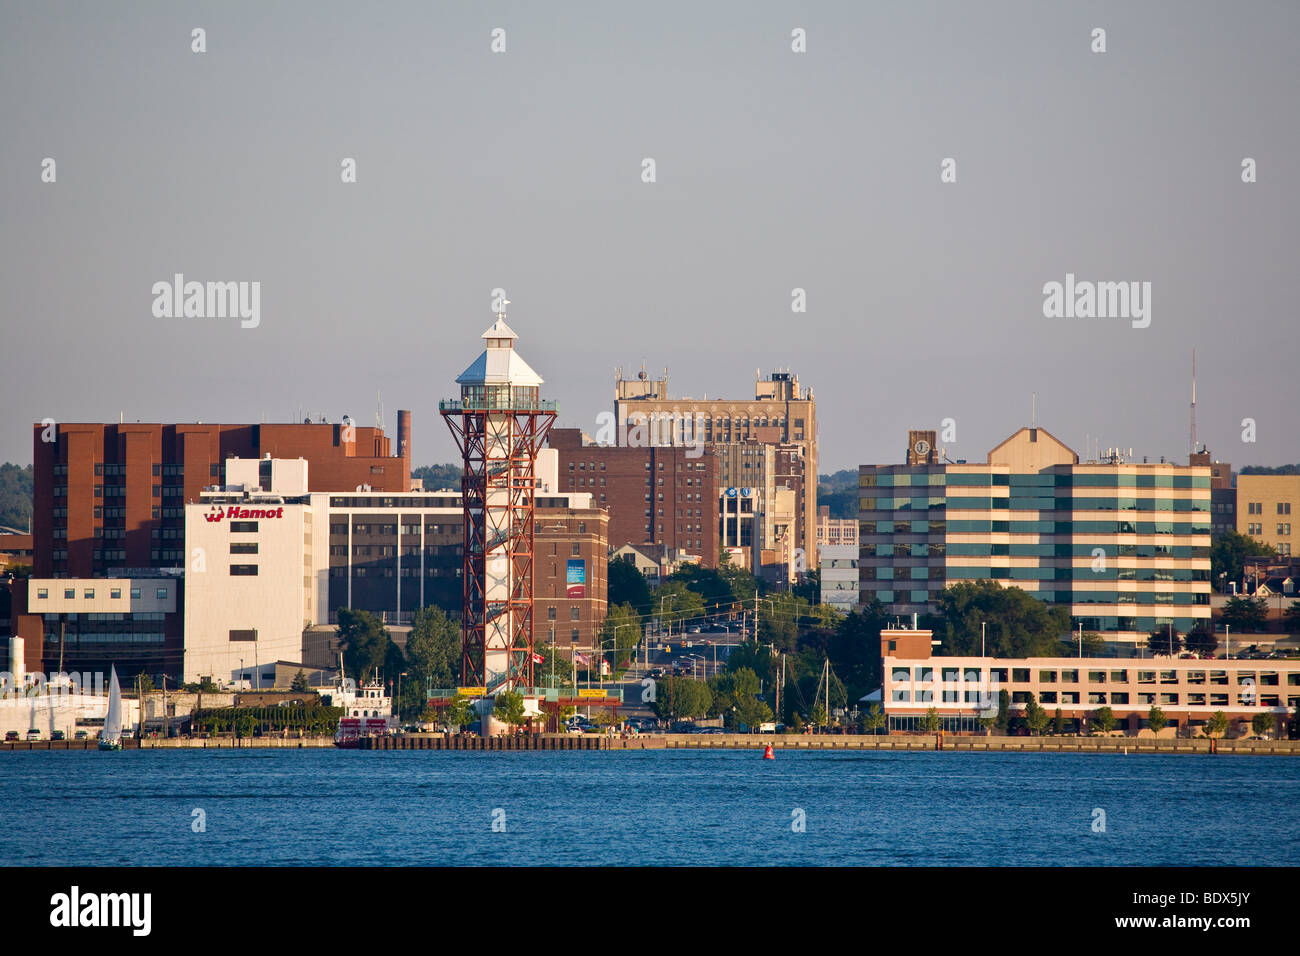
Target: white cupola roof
[[499, 364]]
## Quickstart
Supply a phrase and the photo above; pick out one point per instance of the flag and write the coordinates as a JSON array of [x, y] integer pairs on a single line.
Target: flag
[[581, 658], [537, 658]]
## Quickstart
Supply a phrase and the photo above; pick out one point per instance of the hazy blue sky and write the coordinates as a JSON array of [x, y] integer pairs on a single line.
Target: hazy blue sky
[[775, 170]]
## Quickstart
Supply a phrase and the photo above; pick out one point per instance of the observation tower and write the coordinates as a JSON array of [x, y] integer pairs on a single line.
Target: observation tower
[[499, 422]]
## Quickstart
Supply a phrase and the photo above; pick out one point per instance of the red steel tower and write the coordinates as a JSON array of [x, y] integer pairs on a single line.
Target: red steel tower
[[499, 423]]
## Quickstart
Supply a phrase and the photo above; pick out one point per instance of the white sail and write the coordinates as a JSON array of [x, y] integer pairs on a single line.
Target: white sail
[[113, 719]]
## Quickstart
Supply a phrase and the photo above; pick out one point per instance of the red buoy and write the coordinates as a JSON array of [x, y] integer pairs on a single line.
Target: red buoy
[[768, 753]]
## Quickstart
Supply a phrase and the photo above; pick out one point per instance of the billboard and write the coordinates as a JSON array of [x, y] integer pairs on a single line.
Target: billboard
[[576, 578]]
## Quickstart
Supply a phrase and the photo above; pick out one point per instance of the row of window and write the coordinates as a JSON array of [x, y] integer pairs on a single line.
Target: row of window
[[1283, 530], [1048, 480], [88, 594], [1257, 507], [987, 526]]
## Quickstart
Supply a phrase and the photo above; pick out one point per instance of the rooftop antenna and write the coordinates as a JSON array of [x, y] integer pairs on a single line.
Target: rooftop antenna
[[502, 314], [379, 410], [1193, 401], [1033, 414]]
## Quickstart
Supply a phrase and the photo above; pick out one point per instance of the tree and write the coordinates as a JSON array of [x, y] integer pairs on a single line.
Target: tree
[[1036, 718], [1103, 718], [931, 722], [509, 708], [1261, 724], [300, 685], [1228, 553], [1156, 719], [440, 477], [433, 649], [1291, 619], [460, 713], [682, 697], [1245, 614], [627, 585], [1202, 641], [1002, 722], [620, 632], [1217, 725], [364, 641], [1058, 723], [735, 698], [16, 485], [1164, 640], [1016, 623], [678, 603], [874, 720]]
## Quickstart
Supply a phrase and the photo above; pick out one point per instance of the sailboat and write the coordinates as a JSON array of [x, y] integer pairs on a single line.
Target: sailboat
[[110, 738]]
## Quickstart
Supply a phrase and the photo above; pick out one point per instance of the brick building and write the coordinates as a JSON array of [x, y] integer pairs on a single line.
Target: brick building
[[108, 497], [661, 495], [571, 584]]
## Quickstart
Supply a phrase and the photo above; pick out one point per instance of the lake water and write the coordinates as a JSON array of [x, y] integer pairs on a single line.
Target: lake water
[[301, 807]]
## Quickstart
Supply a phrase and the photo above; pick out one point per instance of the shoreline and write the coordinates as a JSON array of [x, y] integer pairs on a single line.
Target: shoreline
[[755, 742]]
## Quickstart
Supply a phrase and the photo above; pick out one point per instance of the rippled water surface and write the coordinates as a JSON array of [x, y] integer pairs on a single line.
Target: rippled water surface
[[298, 807]]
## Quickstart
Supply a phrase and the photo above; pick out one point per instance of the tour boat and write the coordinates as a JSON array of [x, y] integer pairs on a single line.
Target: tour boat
[[366, 713]]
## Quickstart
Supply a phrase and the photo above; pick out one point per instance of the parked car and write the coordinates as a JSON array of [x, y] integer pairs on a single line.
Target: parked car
[[34, 734], [82, 735], [57, 735], [11, 735]]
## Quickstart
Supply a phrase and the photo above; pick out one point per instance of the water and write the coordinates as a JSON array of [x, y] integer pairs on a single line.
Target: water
[[301, 807]]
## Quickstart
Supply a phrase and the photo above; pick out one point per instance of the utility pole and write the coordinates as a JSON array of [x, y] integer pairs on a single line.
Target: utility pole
[[165, 721]]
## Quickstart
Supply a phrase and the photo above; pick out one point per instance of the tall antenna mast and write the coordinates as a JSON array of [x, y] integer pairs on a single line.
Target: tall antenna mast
[[1033, 414], [1193, 401]]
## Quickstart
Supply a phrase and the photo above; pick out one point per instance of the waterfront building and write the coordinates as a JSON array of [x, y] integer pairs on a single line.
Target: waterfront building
[[108, 497], [1189, 691], [1123, 544]]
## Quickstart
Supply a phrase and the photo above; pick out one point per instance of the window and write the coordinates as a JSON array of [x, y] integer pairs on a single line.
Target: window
[[575, 614], [42, 593], [573, 635], [88, 594], [69, 593], [161, 594], [575, 549], [550, 614], [243, 570], [243, 527], [115, 593], [135, 594], [243, 547]]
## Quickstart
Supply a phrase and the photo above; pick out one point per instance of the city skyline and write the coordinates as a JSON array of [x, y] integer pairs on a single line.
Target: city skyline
[[776, 171]]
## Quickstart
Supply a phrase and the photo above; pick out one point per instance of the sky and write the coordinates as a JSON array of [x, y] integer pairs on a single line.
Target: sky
[[774, 170]]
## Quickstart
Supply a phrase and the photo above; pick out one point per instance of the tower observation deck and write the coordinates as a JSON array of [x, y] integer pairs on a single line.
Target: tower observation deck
[[499, 422]]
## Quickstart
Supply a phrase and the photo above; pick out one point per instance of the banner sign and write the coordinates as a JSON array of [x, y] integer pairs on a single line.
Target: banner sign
[[576, 578]]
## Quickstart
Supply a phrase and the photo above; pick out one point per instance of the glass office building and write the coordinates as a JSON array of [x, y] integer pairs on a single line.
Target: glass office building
[[1126, 545]]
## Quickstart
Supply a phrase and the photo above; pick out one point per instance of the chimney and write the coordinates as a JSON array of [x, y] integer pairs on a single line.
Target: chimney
[[404, 436]]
